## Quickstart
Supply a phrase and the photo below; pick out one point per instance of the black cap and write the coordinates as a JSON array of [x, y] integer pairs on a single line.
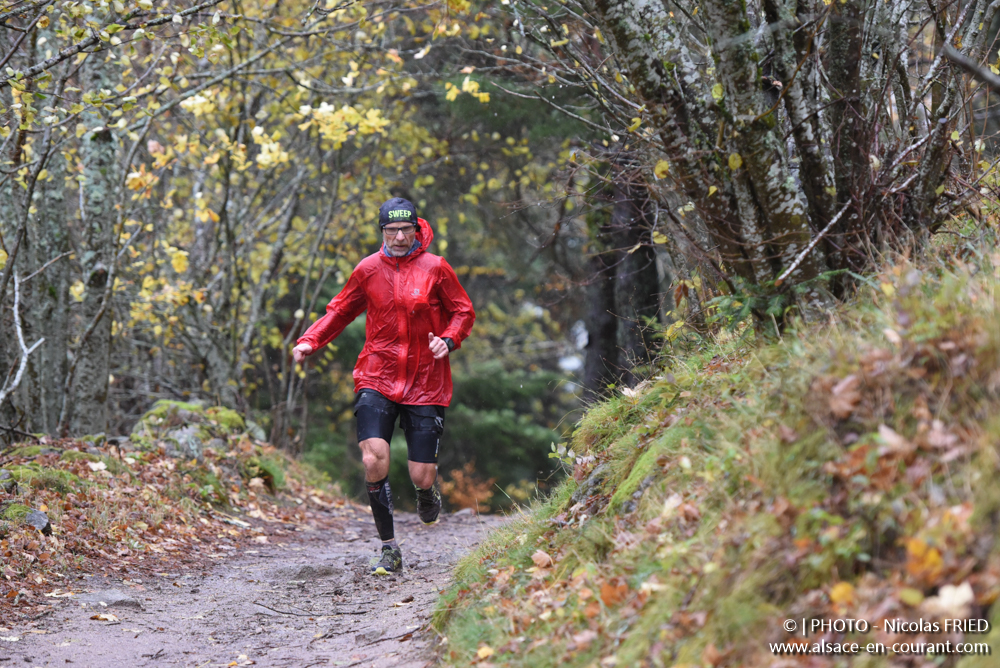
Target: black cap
[[397, 210]]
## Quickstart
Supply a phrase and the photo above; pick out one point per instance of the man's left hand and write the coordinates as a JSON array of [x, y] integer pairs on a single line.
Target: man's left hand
[[437, 345]]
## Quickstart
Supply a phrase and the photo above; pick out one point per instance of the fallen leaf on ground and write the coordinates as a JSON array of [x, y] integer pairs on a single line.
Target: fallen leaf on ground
[[584, 638], [541, 559], [845, 396], [940, 437], [614, 592], [105, 617], [788, 435], [951, 601], [911, 597], [894, 443], [923, 561], [842, 593]]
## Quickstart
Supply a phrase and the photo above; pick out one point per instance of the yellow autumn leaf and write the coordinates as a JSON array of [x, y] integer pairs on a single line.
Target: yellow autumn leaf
[[911, 597], [712, 190], [717, 91], [179, 261], [3, 258], [842, 593], [485, 652], [636, 122], [955, 136], [735, 161], [659, 237], [940, 189], [77, 290], [923, 561], [662, 169], [888, 289]]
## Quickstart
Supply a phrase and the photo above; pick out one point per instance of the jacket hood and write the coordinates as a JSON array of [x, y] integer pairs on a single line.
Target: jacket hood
[[425, 235]]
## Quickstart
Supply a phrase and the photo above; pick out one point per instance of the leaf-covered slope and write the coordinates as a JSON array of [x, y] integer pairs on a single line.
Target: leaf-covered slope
[[845, 471], [169, 498]]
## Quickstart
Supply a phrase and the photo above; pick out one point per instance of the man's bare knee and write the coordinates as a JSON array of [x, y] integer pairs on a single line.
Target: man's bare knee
[[423, 474], [375, 458]]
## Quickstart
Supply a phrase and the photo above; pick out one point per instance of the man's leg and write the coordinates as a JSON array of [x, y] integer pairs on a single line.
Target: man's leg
[[423, 426], [376, 417], [375, 457]]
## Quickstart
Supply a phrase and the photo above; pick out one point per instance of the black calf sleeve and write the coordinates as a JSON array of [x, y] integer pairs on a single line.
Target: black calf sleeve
[[380, 499]]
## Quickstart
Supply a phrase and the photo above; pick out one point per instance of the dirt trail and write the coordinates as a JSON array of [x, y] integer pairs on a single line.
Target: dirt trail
[[308, 602]]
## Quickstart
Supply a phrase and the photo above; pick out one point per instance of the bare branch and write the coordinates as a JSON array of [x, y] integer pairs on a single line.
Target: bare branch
[[6, 391]]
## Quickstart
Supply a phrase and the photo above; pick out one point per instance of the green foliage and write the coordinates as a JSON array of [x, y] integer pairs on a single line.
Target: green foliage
[[764, 301], [207, 485], [269, 470]]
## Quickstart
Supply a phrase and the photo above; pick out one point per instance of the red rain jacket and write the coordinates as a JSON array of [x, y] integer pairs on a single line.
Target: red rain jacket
[[406, 298]]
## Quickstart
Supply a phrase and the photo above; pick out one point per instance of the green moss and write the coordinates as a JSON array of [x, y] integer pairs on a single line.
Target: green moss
[[77, 455], [15, 512], [645, 463], [228, 418], [28, 451], [46, 478], [165, 407]]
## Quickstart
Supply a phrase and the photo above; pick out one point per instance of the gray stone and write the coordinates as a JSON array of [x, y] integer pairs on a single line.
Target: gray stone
[[40, 521], [187, 443], [369, 636], [112, 598], [123, 443], [256, 431], [590, 485], [7, 482], [216, 444]]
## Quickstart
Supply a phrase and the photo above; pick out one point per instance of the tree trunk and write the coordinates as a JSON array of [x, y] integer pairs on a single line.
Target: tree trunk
[[46, 298], [637, 286], [601, 365], [89, 390]]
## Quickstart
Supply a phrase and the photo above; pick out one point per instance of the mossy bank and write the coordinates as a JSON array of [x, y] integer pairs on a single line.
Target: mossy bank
[[844, 471]]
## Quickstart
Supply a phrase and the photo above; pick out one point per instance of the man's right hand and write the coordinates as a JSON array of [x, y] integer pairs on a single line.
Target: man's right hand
[[300, 352]]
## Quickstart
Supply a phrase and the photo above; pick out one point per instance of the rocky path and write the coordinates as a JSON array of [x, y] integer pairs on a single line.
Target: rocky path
[[306, 602]]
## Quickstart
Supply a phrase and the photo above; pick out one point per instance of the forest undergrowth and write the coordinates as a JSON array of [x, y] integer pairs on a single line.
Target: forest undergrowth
[[189, 487], [846, 470]]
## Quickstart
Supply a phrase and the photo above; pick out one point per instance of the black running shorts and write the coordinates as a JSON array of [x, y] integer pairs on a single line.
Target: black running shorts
[[422, 425]]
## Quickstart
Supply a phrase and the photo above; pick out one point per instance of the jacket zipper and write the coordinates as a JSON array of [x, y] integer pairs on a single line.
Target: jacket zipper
[[400, 383]]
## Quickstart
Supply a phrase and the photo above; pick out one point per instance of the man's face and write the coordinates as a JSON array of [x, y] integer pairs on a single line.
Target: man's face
[[399, 238]]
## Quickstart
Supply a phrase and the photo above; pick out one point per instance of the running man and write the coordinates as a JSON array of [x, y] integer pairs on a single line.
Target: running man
[[418, 313]]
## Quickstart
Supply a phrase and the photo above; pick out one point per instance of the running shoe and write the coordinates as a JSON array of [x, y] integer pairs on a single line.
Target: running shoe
[[429, 504], [391, 561]]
